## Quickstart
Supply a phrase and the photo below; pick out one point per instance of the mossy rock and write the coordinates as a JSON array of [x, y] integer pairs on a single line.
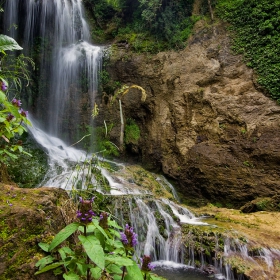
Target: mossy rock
[[27, 217], [29, 171]]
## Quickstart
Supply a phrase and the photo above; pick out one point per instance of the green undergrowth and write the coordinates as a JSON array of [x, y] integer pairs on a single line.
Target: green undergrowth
[[28, 172], [141, 25], [256, 28]]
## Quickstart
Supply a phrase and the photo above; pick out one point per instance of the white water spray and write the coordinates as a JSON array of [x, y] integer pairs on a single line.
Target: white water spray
[[68, 62]]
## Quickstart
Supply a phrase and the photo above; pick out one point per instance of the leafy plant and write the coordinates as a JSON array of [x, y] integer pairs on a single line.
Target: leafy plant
[[12, 116], [100, 250], [148, 26], [256, 28], [131, 132]]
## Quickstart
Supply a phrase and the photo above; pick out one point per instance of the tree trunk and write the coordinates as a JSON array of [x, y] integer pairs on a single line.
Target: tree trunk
[[122, 127], [210, 9]]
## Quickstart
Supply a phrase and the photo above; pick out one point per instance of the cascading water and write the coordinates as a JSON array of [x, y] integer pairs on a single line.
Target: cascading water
[[67, 63], [67, 83]]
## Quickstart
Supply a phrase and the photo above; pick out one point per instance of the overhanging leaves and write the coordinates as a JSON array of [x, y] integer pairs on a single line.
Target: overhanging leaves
[[8, 44]]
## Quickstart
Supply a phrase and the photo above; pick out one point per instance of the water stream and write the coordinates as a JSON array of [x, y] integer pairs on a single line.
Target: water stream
[[57, 35], [67, 73]]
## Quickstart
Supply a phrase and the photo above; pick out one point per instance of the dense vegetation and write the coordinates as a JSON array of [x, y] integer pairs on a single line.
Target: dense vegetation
[[156, 25], [257, 26], [146, 25], [12, 116]]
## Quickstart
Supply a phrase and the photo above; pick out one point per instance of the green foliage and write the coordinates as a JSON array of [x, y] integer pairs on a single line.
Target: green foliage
[[28, 173], [101, 143], [256, 25], [148, 26], [100, 252], [8, 44], [12, 117], [131, 132]]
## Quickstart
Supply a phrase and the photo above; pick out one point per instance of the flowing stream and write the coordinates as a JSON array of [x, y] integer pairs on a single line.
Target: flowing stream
[[67, 74]]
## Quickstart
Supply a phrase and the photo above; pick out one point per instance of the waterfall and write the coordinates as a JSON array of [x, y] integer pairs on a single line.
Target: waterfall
[[67, 73], [56, 34]]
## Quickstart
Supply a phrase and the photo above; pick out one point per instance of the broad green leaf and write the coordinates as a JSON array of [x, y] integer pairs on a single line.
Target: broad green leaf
[[113, 268], [63, 234], [44, 261], [95, 222], [20, 130], [121, 261], [100, 237], [66, 253], [8, 44], [133, 273], [114, 224], [2, 119], [96, 272], [49, 267], [93, 249], [71, 276], [44, 246], [2, 96], [82, 268], [115, 233]]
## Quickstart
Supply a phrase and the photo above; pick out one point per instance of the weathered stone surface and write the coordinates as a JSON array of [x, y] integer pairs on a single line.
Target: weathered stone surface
[[204, 122], [27, 217]]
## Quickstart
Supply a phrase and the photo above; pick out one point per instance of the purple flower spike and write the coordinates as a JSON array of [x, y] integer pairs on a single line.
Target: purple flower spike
[[103, 220], [23, 113], [9, 117], [16, 102], [85, 213], [146, 265], [128, 237], [151, 266], [4, 87], [124, 238]]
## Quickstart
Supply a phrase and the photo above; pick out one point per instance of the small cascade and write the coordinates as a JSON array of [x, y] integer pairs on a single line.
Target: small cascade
[[157, 221]]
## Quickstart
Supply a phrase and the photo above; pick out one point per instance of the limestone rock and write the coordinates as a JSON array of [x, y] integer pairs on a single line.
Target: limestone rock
[[204, 122]]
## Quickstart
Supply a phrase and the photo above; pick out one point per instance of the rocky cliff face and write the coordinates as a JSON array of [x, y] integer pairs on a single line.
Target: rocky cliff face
[[205, 122]]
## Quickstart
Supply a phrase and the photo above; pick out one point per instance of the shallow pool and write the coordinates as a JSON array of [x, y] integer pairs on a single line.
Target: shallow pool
[[173, 271]]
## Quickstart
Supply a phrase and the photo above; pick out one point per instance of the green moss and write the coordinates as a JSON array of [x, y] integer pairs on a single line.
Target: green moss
[[255, 25], [28, 171]]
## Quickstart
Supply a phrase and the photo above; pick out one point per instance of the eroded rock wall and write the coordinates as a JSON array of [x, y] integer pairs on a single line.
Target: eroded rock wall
[[205, 122]]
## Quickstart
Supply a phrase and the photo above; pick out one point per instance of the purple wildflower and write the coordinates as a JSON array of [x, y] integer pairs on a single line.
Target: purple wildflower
[[23, 113], [129, 237], [85, 213], [103, 220], [124, 238], [146, 264], [4, 87], [9, 117], [16, 102]]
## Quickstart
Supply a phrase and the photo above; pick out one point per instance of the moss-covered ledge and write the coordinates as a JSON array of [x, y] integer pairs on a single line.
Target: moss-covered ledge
[[253, 239], [29, 216]]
